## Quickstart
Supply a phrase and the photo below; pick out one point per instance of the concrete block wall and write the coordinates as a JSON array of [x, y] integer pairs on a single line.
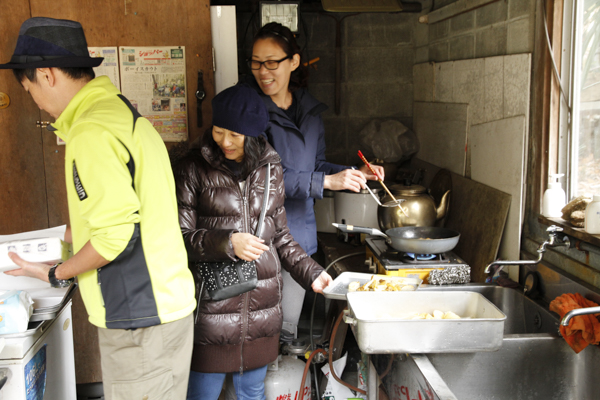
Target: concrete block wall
[[379, 51], [376, 82], [502, 27]]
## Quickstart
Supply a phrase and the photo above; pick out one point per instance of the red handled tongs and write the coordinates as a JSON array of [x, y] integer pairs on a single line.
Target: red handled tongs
[[362, 157]]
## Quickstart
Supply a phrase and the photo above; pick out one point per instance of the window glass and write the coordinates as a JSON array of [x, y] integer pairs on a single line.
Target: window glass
[[585, 171]]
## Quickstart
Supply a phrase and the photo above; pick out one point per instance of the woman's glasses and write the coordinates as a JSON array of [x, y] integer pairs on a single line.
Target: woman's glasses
[[269, 64]]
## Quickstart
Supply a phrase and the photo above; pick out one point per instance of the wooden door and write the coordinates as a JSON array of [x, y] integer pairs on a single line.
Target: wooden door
[[32, 188], [23, 192]]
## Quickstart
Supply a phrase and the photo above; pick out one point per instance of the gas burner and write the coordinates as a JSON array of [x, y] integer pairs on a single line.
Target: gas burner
[[411, 258], [421, 257], [392, 259]]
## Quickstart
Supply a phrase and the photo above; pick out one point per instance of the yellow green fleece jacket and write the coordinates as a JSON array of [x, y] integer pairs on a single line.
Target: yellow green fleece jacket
[[121, 197]]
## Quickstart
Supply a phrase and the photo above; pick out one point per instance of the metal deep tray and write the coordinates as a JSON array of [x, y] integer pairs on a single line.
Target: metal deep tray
[[339, 287], [380, 322]]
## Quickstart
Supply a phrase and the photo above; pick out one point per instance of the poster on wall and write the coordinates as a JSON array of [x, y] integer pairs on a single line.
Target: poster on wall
[[153, 79], [110, 65]]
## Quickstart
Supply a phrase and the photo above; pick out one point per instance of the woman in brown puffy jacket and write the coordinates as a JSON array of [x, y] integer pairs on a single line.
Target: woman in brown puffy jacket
[[220, 189]]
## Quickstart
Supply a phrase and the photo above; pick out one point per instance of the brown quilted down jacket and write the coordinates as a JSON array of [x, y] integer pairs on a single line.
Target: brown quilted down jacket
[[240, 333]]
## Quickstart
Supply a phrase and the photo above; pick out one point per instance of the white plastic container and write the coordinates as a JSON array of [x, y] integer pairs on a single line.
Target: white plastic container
[[592, 216], [554, 198]]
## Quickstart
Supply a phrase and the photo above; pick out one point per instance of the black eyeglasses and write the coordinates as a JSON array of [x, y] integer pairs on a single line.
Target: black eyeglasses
[[269, 64]]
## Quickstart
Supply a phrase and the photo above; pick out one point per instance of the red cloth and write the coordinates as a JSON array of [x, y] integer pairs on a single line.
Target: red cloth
[[582, 329]]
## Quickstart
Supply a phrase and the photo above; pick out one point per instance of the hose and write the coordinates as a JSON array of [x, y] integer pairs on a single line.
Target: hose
[[312, 318], [312, 311], [388, 368], [332, 370], [312, 354]]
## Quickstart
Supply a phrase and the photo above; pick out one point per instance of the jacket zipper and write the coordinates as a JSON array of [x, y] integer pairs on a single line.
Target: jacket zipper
[[100, 286], [245, 298], [244, 329]]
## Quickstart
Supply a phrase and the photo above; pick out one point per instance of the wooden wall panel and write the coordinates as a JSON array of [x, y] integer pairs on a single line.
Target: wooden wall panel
[[56, 190], [33, 194], [147, 23], [22, 176]]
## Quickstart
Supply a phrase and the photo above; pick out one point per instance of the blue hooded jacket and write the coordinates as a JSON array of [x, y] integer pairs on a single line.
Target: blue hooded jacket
[[302, 152]]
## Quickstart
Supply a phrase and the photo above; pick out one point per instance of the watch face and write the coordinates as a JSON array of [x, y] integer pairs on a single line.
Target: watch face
[[200, 95]]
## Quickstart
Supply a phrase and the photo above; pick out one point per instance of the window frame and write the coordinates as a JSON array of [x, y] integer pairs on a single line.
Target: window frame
[[569, 121]]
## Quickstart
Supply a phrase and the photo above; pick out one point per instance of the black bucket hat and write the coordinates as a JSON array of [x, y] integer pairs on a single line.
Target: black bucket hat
[[48, 42], [240, 109]]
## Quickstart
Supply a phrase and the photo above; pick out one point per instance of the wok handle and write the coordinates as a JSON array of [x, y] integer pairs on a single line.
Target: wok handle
[[359, 229]]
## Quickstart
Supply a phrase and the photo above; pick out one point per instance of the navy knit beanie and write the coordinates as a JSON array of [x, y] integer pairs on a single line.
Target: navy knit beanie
[[240, 109]]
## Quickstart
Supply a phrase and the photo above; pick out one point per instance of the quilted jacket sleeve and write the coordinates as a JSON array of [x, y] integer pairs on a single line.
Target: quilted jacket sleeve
[[201, 244], [293, 259]]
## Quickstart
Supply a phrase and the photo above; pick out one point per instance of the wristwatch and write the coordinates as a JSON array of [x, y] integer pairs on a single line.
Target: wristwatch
[[58, 283]]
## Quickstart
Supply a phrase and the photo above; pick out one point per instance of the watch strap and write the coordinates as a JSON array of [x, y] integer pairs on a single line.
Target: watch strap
[[55, 282]]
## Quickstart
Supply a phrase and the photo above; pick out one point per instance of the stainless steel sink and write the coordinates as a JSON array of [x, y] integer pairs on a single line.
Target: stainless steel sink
[[526, 367], [523, 315], [534, 362]]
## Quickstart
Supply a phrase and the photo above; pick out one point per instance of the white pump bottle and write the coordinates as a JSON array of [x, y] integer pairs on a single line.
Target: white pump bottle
[[554, 198]]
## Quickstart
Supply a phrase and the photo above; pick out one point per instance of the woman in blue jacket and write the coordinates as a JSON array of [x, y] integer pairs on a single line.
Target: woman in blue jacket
[[296, 131]]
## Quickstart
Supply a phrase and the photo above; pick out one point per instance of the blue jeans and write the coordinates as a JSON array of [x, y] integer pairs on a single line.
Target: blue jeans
[[248, 386]]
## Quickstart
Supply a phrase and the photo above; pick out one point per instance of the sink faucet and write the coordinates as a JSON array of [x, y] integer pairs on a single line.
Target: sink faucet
[[555, 239], [578, 311]]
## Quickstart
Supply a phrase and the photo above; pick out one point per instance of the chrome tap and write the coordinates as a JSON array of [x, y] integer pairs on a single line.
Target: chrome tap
[[578, 311], [555, 239]]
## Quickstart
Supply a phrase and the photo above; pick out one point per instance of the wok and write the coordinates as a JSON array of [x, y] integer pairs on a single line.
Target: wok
[[412, 239]]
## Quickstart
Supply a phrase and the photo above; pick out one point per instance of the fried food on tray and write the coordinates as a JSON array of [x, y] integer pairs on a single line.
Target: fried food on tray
[[380, 285], [437, 314]]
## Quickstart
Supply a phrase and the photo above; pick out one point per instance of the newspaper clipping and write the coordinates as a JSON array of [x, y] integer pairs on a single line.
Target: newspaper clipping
[[153, 79], [110, 65]]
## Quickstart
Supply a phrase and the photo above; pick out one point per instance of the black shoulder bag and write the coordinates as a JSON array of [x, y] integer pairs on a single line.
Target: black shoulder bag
[[225, 279]]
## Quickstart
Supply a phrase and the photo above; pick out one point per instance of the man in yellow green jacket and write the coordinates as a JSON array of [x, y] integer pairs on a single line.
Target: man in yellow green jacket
[[129, 256]]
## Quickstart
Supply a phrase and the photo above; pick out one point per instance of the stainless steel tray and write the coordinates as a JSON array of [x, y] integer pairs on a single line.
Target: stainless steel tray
[[380, 322], [339, 287]]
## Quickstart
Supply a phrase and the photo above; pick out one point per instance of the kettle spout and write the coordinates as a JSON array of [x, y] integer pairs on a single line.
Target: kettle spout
[[442, 209]]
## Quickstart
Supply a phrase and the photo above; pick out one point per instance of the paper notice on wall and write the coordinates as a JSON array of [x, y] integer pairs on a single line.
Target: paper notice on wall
[[110, 65], [153, 79]]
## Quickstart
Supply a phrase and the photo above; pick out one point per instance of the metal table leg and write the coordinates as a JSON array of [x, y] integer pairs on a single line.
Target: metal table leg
[[373, 383]]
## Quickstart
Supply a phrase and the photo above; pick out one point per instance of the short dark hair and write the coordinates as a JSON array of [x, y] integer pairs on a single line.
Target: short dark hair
[[285, 38], [75, 73]]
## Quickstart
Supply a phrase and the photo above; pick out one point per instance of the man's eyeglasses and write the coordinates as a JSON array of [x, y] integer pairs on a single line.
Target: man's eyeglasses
[[269, 64]]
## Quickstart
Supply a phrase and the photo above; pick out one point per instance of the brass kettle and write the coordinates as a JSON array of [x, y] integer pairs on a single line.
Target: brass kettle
[[419, 208]]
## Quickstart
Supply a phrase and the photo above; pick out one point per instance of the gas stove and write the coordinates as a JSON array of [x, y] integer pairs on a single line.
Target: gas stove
[[385, 260]]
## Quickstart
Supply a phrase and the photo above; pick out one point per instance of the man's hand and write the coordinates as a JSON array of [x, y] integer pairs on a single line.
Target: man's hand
[[30, 269]]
